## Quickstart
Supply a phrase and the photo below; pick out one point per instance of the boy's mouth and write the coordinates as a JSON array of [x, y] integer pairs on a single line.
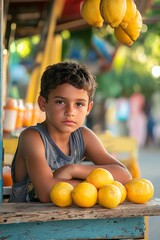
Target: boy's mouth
[[69, 122]]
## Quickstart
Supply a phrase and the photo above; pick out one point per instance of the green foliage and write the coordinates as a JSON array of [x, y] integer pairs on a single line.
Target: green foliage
[[132, 67], [153, 13], [23, 49]]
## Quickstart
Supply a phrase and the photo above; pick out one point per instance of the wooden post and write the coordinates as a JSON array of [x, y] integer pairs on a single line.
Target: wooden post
[[50, 55], [1, 137]]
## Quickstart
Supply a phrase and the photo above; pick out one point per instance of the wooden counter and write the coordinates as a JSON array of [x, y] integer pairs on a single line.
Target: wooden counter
[[46, 221]]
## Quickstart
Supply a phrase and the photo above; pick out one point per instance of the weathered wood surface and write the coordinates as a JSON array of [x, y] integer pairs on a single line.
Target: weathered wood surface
[[40, 212], [83, 229]]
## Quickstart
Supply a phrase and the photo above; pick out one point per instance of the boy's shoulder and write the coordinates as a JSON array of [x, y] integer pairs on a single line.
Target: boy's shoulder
[[29, 132], [86, 132]]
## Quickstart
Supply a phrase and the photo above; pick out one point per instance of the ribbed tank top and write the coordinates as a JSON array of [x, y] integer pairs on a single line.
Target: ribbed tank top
[[23, 191]]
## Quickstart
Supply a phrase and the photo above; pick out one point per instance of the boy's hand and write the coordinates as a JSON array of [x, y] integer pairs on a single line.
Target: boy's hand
[[65, 172]]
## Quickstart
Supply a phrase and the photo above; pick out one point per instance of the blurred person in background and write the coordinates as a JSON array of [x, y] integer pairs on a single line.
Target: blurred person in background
[[155, 111], [122, 115], [150, 124], [137, 122]]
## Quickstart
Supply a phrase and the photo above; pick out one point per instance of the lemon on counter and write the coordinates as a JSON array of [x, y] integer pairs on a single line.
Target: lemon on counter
[[100, 177], [60, 194], [139, 190], [122, 190], [84, 194], [109, 196]]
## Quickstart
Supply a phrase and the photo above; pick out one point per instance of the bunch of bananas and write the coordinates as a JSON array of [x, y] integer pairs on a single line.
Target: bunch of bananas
[[122, 15]]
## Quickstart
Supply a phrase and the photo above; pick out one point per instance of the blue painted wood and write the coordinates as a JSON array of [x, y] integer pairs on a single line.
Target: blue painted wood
[[1, 137], [115, 228]]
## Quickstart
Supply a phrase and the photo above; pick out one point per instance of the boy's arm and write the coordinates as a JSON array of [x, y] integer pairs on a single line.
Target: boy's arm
[[31, 160], [96, 153], [80, 171], [99, 157]]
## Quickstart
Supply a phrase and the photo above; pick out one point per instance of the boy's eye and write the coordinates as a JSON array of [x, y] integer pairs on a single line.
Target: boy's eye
[[60, 102], [79, 104]]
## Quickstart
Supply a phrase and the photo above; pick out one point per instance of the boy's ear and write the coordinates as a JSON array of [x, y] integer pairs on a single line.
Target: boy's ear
[[42, 103], [90, 105]]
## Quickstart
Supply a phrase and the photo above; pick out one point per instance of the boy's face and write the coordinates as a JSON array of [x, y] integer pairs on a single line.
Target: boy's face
[[66, 108]]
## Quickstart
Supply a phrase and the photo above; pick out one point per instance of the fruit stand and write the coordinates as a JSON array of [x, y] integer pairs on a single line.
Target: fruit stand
[[46, 221]]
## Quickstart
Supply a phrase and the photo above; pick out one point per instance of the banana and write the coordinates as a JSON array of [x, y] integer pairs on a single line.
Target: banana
[[130, 13], [90, 11], [113, 11], [122, 37], [134, 27]]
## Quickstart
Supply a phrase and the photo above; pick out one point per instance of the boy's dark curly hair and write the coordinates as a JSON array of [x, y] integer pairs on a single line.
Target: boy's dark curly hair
[[67, 72]]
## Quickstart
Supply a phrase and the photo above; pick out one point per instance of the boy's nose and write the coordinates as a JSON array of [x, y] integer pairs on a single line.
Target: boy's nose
[[69, 111]]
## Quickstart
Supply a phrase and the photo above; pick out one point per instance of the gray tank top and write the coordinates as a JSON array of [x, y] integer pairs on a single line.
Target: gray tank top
[[23, 191]]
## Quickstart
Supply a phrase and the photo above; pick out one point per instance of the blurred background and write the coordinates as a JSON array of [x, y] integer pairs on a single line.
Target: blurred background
[[128, 78], [127, 99]]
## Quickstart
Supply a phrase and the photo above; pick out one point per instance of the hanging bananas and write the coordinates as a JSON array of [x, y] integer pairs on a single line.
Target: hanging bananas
[[134, 27], [90, 11], [122, 15], [130, 13], [122, 37], [113, 11]]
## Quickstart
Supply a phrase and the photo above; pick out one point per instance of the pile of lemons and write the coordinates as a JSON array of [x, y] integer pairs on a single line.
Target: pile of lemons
[[101, 188], [122, 15]]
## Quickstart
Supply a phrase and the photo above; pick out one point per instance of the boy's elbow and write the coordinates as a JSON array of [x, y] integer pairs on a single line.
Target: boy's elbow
[[44, 201], [127, 177], [44, 198]]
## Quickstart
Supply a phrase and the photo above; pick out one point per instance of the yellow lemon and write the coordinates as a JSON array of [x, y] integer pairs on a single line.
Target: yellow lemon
[[109, 196], [90, 11], [84, 194], [100, 177], [139, 191], [130, 13], [60, 194], [149, 184], [122, 36], [122, 190]]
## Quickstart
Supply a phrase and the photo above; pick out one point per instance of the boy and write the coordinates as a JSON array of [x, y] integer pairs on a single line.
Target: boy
[[52, 151]]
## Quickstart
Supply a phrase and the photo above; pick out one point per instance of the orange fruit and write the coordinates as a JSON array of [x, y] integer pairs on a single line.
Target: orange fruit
[[100, 177], [139, 190], [122, 190], [60, 194], [109, 196], [84, 194]]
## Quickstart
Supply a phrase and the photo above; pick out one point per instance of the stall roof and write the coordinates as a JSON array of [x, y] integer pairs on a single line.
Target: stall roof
[[24, 18]]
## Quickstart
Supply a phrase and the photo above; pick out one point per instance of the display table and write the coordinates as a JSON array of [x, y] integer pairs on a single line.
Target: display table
[[46, 221]]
